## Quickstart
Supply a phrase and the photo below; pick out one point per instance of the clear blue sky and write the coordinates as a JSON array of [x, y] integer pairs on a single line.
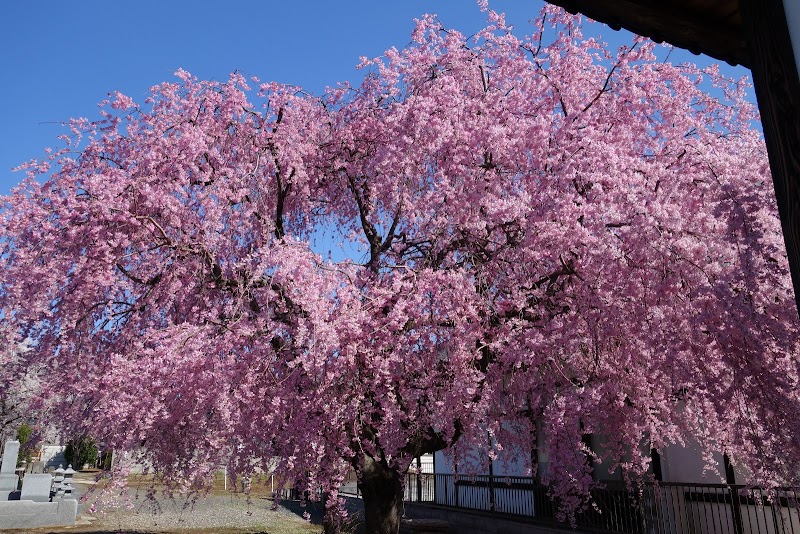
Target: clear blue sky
[[60, 58]]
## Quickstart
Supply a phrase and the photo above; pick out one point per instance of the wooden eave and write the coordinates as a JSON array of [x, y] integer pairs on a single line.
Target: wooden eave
[[712, 27]]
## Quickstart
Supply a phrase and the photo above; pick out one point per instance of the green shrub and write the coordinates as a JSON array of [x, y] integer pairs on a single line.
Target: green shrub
[[26, 445], [81, 452]]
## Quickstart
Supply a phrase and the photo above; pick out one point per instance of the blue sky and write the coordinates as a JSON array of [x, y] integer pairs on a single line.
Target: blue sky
[[60, 58]]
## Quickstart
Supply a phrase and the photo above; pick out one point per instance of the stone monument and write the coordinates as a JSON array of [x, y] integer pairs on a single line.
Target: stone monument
[[36, 487], [9, 480], [32, 506]]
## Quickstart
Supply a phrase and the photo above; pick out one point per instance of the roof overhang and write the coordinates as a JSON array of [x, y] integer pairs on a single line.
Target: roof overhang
[[712, 27]]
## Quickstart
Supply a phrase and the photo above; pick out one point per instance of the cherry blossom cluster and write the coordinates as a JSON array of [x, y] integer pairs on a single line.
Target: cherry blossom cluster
[[553, 240]]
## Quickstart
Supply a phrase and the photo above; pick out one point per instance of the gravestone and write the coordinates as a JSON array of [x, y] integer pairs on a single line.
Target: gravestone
[[36, 487], [30, 507], [8, 478], [10, 453]]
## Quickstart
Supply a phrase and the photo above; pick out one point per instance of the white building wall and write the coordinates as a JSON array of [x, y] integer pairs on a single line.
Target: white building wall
[[514, 466], [508, 489], [425, 464], [686, 465], [53, 456]]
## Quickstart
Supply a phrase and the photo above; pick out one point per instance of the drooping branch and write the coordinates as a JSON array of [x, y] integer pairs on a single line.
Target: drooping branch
[[603, 90], [130, 276], [371, 233], [284, 184]]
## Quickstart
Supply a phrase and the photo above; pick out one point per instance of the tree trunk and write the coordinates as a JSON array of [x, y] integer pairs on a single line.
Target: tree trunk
[[382, 490]]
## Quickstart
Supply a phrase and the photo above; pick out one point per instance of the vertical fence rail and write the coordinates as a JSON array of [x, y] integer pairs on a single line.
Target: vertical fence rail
[[667, 508]]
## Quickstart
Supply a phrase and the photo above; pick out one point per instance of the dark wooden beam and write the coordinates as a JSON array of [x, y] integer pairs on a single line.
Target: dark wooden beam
[[778, 92], [662, 20]]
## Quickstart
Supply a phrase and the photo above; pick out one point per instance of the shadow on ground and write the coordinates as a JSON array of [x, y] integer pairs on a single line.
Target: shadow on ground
[[316, 510]]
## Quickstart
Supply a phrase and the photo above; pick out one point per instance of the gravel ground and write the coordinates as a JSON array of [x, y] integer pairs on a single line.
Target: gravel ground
[[215, 514], [210, 514]]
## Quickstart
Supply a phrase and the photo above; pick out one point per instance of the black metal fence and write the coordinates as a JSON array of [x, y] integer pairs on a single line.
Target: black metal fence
[[667, 508]]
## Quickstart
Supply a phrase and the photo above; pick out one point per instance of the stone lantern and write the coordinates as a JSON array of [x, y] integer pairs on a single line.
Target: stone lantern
[[58, 480], [67, 483]]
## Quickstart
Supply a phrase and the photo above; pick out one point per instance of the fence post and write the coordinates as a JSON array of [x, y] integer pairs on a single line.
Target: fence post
[[736, 510], [736, 504], [491, 486], [419, 479], [776, 505]]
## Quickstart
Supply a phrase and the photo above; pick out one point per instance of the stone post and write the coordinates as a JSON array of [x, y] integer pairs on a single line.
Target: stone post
[[9, 480]]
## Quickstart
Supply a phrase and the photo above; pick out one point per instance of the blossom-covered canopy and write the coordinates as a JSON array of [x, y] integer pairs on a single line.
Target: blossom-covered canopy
[[549, 234]]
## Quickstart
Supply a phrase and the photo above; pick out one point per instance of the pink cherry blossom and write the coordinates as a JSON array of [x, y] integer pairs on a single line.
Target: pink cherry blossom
[[551, 233]]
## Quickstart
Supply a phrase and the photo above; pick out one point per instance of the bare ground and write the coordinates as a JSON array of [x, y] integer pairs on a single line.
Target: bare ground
[[219, 512]]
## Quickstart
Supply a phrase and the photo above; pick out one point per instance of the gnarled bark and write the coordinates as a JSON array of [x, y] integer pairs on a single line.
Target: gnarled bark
[[382, 490]]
